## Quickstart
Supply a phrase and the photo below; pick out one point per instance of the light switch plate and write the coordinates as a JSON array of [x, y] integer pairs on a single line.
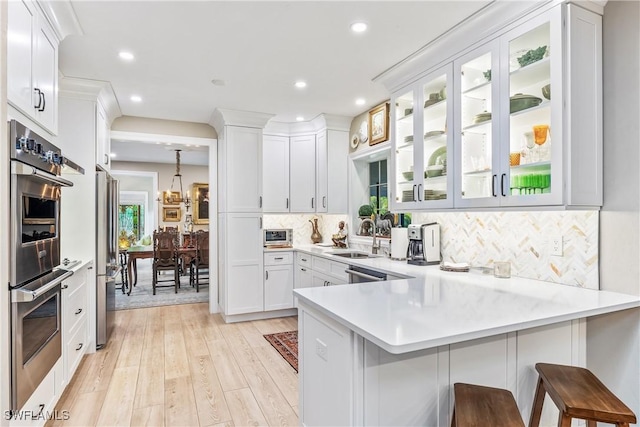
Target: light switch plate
[[555, 245]]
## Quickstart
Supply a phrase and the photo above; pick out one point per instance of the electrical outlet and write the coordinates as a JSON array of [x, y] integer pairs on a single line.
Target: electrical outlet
[[555, 245], [321, 349]]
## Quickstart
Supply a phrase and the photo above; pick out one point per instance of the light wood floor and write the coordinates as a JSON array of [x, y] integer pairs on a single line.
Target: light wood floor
[[181, 366]]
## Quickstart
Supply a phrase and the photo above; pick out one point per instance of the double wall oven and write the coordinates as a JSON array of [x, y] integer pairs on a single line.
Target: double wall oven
[[35, 274]]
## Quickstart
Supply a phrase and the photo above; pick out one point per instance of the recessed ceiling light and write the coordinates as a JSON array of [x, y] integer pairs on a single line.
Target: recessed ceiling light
[[360, 101], [136, 98], [299, 118], [300, 84], [218, 82], [113, 155], [127, 56], [359, 27]]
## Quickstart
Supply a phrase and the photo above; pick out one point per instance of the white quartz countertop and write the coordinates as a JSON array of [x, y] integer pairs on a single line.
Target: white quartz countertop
[[438, 308]]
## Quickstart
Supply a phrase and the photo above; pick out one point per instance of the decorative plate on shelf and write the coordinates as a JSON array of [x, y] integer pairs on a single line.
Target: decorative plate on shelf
[[355, 140], [364, 131], [438, 157]]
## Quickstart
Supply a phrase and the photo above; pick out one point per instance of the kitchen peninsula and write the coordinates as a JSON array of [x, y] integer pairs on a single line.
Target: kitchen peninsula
[[388, 353]]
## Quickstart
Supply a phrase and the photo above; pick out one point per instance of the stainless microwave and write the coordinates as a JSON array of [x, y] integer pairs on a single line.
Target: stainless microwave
[[281, 237]]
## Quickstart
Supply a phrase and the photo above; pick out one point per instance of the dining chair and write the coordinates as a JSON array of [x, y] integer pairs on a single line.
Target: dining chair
[[201, 261], [165, 258]]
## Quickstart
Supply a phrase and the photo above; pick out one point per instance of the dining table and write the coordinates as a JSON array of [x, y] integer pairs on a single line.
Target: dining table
[[135, 253]]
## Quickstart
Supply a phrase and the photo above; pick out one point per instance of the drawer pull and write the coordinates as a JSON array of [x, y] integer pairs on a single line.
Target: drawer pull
[[79, 311], [303, 269], [79, 347], [304, 259], [279, 258], [65, 286]]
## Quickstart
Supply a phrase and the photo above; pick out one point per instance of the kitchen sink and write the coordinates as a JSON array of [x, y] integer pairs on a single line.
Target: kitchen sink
[[353, 255]]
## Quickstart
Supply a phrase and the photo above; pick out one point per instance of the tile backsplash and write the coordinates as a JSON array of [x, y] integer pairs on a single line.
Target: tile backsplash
[[327, 225], [522, 238]]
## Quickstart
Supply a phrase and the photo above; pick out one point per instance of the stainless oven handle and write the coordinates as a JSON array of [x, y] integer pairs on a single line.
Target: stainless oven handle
[[22, 169], [365, 276], [21, 295]]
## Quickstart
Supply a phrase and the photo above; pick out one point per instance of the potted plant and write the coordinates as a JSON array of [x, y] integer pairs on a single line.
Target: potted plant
[[365, 212]]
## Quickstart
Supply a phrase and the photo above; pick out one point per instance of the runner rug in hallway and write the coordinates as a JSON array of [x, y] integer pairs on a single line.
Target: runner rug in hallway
[[287, 345]]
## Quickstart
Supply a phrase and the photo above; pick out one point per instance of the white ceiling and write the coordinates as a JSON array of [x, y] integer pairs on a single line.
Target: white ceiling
[[258, 48]]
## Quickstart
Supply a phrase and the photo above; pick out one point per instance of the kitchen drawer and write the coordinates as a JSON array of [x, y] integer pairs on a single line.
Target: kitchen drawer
[[75, 305], [333, 268], [303, 260], [320, 279], [76, 347], [278, 258]]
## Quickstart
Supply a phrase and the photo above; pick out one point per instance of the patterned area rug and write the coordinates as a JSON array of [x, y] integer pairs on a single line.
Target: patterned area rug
[[287, 345], [142, 293]]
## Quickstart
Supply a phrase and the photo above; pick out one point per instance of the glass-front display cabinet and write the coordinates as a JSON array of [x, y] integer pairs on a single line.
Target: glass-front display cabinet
[[421, 121], [507, 118], [532, 167], [477, 77]]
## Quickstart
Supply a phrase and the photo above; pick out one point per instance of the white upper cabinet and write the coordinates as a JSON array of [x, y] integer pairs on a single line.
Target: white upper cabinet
[[32, 65], [303, 173], [242, 180], [275, 174], [522, 112], [332, 188], [421, 121]]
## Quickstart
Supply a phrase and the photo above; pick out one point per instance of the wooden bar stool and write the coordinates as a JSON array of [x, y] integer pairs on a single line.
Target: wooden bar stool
[[479, 406], [578, 394]]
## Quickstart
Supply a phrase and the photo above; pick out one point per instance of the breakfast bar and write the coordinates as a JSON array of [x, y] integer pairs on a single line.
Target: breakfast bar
[[388, 353]]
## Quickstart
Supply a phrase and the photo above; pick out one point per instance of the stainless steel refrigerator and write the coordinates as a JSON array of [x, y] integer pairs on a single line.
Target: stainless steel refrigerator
[[107, 266]]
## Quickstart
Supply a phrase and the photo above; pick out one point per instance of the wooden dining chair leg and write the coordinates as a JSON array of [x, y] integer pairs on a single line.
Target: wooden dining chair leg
[[536, 411], [564, 420]]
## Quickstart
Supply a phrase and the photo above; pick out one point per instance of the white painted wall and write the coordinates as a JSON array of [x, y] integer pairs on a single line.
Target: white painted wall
[[613, 341]]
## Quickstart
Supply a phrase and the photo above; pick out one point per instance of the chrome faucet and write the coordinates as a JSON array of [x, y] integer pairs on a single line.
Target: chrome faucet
[[375, 244]]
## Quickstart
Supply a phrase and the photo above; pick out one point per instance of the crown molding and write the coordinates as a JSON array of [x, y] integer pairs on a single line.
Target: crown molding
[[152, 138], [489, 22], [223, 117], [91, 90], [61, 17], [318, 123]]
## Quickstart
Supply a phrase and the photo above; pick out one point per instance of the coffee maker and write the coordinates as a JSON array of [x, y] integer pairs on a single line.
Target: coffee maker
[[424, 244]]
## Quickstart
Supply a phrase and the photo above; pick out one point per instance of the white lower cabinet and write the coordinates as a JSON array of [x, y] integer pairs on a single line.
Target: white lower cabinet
[[74, 320], [348, 380], [329, 273], [326, 352], [278, 281]]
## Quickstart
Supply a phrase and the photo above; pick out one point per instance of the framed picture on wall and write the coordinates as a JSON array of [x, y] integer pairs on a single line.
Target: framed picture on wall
[[200, 203], [171, 214], [379, 124], [171, 197]]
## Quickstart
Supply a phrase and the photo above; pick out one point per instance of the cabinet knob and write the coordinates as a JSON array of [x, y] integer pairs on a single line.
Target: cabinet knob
[[79, 311], [79, 347]]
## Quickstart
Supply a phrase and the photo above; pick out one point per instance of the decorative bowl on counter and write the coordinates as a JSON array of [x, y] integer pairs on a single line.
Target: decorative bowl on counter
[[546, 91], [482, 117], [519, 102]]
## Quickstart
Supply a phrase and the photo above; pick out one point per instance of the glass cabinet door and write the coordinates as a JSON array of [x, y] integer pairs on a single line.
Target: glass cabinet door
[[478, 115], [434, 183], [404, 156], [533, 130]]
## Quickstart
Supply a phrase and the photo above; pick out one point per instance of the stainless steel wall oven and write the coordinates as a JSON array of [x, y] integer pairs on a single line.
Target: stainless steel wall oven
[[35, 276]]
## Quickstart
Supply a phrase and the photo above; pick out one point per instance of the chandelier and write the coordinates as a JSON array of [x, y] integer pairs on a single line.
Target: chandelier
[[173, 197]]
